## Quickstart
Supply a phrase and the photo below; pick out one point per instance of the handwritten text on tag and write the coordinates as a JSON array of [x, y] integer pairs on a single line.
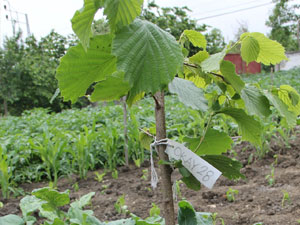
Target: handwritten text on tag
[[202, 170]]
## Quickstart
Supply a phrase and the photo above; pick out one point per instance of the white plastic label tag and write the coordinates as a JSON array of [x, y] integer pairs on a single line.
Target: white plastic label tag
[[202, 170]]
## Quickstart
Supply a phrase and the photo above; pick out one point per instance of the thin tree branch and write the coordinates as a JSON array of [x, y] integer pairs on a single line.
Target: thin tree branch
[[215, 74]]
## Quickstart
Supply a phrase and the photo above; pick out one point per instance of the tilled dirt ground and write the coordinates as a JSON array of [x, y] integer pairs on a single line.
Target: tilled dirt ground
[[256, 201]]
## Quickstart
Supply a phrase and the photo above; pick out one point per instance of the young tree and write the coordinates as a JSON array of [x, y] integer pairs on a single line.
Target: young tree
[[283, 22], [138, 58]]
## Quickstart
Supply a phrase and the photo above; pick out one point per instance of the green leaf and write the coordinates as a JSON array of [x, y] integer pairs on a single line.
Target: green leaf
[[204, 218], [154, 220], [255, 102], [11, 220], [113, 88], [83, 201], [290, 97], [58, 221], [82, 21], [214, 143], [79, 69], [53, 198], [122, 12], [228, 70], [282, 108], [128, 221], [192, 183], [250, 49], [186, 214], [213, 62], [196, 38], [250, 128], [188, 94], [29, 204], [271, 52], [199, 57], [230, 168], [145, 140], [148, 55]]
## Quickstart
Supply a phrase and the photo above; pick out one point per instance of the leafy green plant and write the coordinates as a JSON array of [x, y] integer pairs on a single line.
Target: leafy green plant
[[115, 174], [121, 206], [50, 151], [285, 197], [82, 150], [5, 174], [99, 177], [271, 177], [145, 174], [216, 218], [230, 194]]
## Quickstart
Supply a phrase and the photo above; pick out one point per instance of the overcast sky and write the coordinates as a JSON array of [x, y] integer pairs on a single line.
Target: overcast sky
[[45, 15]]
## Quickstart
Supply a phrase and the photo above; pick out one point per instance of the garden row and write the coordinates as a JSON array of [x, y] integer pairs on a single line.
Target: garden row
[[41, 145]]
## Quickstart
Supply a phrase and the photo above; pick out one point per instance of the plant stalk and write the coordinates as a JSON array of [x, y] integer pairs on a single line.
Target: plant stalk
[[166, 171], [125, 130]]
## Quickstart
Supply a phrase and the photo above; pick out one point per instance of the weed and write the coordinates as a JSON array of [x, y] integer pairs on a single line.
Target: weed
[[154, 211], [120, 206], [230, 194], [75, 186], [215, 219], [99, 177], [145, 174], [115, 174], [271, 177], [285, 197]]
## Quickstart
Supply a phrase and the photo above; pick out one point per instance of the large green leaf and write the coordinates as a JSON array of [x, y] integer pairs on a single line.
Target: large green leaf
[[214, 143], [79, 69], [250, 128], [270, 52], [282, 108], [29, 204], [11, 220], [255, 102], [148, 55], [196, 38], [113, 88], [83, 201], [230, 168], [188, 94], [212, 63], [122, 12], [128, 221], [204, 218], [53, 198], [199, 57], [82, 20], [228, 70], [290, 97], [186, 214], [250, 49]]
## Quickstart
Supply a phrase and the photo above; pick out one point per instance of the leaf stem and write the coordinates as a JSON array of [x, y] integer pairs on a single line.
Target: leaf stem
[[205, 130]]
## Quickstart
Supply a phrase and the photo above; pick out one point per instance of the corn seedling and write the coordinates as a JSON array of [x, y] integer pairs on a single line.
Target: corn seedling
[[5, 174]]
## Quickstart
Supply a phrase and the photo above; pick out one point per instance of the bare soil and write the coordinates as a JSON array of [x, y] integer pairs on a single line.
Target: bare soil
[[256, 201]]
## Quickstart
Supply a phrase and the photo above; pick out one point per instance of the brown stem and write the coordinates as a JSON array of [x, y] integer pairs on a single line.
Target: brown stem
[[166, 171], [215, 74]]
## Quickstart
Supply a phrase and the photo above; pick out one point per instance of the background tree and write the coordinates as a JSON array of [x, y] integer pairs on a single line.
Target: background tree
[[27, 72], [175, 20], [283, 22]]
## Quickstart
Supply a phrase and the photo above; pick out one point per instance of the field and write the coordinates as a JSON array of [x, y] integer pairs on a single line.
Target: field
[[83, 151]]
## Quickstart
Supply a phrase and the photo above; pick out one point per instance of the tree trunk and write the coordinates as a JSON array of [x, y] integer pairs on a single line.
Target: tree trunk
[[166, 171], [125, 130], [5, 107]]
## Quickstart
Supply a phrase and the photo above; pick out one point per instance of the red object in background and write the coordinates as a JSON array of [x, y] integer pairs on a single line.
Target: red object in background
[[241, 66]]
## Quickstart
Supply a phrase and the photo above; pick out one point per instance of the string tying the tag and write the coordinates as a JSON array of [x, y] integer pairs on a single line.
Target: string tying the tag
[[154, 177]]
